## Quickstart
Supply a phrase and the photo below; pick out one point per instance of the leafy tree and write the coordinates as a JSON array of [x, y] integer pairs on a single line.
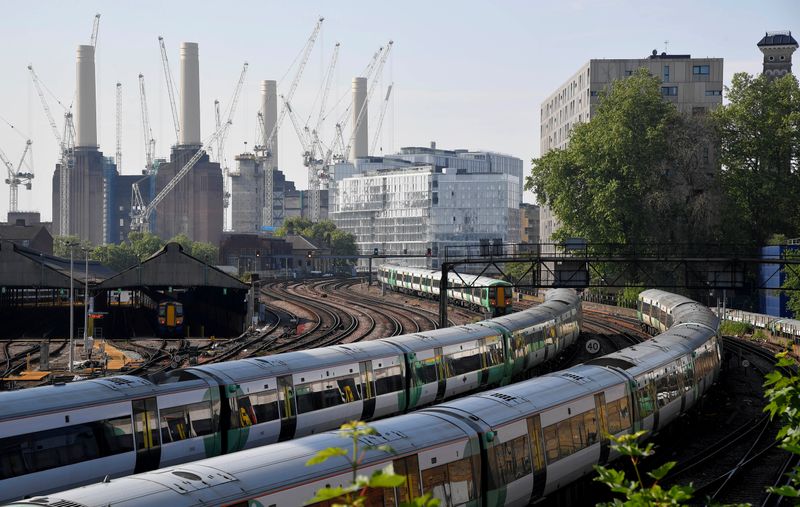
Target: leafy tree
[[792, 283], [144, 244], [629, 171], [783, 394], [205, 252], [61, 248], [356, 493], [635, 491], [117, 257], [293, 225], [184, 241], [323, 233], [759, 132]]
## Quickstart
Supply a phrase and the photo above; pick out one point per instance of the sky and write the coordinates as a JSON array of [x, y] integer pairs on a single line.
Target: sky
[[466, 74]]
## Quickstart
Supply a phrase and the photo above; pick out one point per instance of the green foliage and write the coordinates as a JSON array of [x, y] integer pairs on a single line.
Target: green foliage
[[635, 492], [629, 296], [355, 494], [61, 246], [759, 132], [739, 329], [618, 179], [322, 234], [759, 335], [783, 394], [792, 283]]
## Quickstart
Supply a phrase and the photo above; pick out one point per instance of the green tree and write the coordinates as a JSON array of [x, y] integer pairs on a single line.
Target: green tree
[[792, 283], [759, 133], [205, 252], [783, 394], [636, 493], [628, 171], [144, 244], [356, 493], [117, 257], [184, 241], [61, 248], [293, 225]]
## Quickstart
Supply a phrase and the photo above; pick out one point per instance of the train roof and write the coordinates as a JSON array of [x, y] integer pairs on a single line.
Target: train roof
[[291, 362], [666, 299], [434, 274], [656, 351], [516, 401], [441, 337], [73, 395], [259, 470]]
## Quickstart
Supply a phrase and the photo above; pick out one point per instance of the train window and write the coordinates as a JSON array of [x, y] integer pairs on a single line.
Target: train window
[[416, 280], [570, 436], [201, 418], [265, 406], [388, 380], [175, 424], [43, 450], [645, 397], [425, 371], [551, 443], [619, 417], [464, 361], [510, 461], [434, 481], [328, 393], [462, 487]]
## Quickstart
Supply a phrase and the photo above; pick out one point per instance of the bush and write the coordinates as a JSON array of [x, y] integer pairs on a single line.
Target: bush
[[738, 329]]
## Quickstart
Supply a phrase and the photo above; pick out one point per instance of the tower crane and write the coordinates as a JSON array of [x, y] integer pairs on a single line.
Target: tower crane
[[95, 29], [226, 191], [170, 87], [380, 120], [141, 212], [149, 141], [66, 143], [16, 177], [271, 137], [118, 158], [314, 134]]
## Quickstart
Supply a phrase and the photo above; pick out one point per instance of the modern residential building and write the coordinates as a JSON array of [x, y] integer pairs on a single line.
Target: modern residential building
[[427, 207], [694, 85]]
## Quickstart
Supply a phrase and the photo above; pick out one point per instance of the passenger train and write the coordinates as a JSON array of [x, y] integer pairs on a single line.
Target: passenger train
[[170, 318], [64, 435], [509, 446], [478, 292]]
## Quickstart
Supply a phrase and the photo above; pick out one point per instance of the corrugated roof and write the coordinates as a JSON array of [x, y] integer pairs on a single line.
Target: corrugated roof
[[19, 232]]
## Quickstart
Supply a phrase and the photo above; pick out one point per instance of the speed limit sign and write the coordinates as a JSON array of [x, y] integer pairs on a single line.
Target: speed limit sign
[[592, 346]]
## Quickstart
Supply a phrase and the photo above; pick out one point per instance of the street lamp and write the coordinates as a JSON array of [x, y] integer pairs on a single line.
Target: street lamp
[[86, 302], [71, 313]]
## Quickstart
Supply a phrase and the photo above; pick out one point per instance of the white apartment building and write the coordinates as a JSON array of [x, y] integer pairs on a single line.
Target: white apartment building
[[694, 85]]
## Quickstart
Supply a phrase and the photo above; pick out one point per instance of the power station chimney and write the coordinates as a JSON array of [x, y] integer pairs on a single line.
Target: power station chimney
[[269, 110], [86, 108], [360, 141], [190, 95]]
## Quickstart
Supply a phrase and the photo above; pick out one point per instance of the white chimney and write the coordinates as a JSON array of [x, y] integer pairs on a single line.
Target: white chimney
[[190, 95], [360, 141], [269, 110], [86, 108]]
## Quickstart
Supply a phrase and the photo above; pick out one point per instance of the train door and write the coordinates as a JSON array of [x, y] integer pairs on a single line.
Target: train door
[[441, 368], [600, 408], [170, 315], [367, 390], [147, 434], [500, 306], [537, 454], [287, 408]]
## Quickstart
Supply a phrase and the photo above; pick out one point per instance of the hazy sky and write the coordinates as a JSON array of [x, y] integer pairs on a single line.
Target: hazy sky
[[467, 74]]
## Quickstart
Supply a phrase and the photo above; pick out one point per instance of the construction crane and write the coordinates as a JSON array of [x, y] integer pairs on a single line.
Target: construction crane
[[141, 212], [314, 135], [95, 29], [226, 190], [380, 120], [269, 164], [170, 87], [149, 141], [118, 158], [66, 143], [16, 177]]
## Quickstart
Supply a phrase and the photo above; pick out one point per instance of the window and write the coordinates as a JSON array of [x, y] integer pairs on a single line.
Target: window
[[701, 70], [452, 483], [425, 371], [43, 450], [510, 461], [410, 468], [388, 380], [326, 393], [570, 435], [464, 361], [666, 74], [619, 417], [713, 93], [669, 91], [593, 93], [628, 72]]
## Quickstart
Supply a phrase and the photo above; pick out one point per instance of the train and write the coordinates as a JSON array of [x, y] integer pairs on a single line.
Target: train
[[64, 435], [170, 318], [779, 327], [477, 292], [509, 446]]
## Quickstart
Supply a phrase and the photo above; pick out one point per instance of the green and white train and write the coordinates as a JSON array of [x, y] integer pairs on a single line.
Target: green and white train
[[478, 292]]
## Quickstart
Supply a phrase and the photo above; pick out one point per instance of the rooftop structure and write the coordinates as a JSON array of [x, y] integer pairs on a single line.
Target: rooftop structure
[[777, 48]]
